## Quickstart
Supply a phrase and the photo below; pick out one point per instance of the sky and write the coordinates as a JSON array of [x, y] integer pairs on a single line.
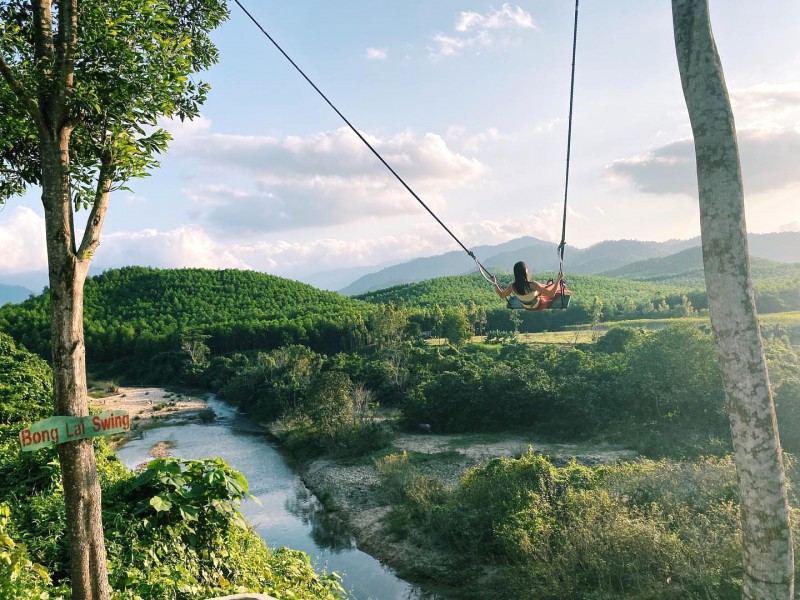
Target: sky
[[468, 101]]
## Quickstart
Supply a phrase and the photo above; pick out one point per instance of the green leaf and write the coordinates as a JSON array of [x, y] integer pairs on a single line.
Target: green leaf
[[160, 503]]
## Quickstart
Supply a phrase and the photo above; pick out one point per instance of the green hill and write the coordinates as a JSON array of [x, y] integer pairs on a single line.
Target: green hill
[[137, 312], [463, 289]]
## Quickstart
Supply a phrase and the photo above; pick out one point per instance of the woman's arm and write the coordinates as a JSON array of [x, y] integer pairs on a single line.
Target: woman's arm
[[503, 293], [547, 290]]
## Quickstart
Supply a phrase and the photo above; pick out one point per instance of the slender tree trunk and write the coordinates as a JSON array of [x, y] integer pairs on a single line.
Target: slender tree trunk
[[766, 534], [79, 473]]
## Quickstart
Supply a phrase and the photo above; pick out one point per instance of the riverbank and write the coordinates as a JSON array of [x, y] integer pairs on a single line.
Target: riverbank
[[151, 407], [355, 494], [353, 490]]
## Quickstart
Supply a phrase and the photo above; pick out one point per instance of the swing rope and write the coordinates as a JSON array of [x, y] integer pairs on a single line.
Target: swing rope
[[483, 270], [486, 274], [563, 242]]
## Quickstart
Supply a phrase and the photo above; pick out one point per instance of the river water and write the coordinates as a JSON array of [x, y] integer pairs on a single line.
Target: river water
[[288, 514]]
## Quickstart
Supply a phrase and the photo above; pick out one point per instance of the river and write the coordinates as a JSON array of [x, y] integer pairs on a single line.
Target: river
[[288, 514]]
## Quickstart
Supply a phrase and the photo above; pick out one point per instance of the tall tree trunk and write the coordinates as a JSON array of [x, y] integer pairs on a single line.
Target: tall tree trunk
[[79, 473], [768, 555]]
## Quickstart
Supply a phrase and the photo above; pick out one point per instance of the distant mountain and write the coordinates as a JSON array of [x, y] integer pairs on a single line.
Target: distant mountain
[[450, 263], [13, 293], [687, 266], [612, 254], [32, 280], [336, 279], [781, 247], [541, 256], [601, 258]]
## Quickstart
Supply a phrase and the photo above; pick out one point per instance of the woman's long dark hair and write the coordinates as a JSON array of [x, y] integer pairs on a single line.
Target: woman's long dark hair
[[521, 284]]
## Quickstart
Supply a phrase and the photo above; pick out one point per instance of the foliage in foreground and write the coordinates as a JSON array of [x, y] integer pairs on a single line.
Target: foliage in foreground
[[172, 531], [526, 529]]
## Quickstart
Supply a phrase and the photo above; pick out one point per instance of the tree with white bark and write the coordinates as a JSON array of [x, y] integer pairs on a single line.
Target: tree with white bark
[[766, 535]]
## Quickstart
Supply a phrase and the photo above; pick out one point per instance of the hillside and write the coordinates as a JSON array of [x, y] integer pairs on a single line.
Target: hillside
[[463, 289], [137, 311], [687, 267], [456, 262], [600, 258]]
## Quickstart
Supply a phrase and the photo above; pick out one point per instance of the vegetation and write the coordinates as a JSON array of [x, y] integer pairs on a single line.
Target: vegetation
[[138, 319], [524, 527], [147, 323], [172, 531]]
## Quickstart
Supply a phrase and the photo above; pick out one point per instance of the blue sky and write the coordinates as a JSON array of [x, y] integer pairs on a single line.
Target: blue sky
[[468, 101]]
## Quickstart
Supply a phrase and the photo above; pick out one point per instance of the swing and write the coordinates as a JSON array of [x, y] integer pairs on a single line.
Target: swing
[[559, 300], [562, 297]]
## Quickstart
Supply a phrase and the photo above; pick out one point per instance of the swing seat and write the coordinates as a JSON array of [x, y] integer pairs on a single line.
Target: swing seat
[[560, 300]]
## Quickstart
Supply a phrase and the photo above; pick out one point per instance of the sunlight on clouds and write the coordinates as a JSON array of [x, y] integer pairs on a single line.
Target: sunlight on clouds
[[767, 157], [476, 29], [505, 17], [766, 105], [22, 239], [181, 130], [192, 246], [477, 141], [793, 226], [328, 178], [299, 259], [187, 246], [543, 224]]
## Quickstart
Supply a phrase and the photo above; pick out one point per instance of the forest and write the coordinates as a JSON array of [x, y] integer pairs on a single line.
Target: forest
[[339, 377], [139, 317]]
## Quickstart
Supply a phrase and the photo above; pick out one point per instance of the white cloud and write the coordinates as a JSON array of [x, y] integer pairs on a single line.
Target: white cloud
[[300, 259], [768, 132], [377, 54], [765, 105], [187, 246], [22, 239], [505, 18], [768, 158], [793, 226], [477, 29], [181, 130], [474, 142], [328, 178], [194, 246]]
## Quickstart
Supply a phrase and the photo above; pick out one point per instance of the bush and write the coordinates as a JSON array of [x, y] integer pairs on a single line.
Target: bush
[[525, 529], [20, 577]]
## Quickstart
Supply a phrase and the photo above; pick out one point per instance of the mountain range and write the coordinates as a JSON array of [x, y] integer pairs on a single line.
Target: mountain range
[[628, 259], [13, 293], [608, 258]]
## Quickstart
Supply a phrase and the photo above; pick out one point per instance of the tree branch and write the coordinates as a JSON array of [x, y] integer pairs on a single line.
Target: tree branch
[[20, 92], [91, 235], [67, 44]]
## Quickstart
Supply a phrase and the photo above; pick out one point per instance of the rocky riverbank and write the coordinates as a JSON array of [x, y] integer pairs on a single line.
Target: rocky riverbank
[[354, 491], [151, 407]]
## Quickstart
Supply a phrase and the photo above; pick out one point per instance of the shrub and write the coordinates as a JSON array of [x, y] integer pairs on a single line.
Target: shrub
[[529, 530]]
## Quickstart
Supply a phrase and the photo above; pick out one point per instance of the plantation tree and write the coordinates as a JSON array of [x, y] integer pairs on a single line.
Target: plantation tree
[[768, 557], [83, 84]]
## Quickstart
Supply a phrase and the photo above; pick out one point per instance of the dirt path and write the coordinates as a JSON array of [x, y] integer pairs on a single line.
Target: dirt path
[[150, 405]]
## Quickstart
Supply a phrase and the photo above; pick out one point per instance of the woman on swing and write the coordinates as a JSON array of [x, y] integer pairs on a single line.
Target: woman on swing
[[528, 291]]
